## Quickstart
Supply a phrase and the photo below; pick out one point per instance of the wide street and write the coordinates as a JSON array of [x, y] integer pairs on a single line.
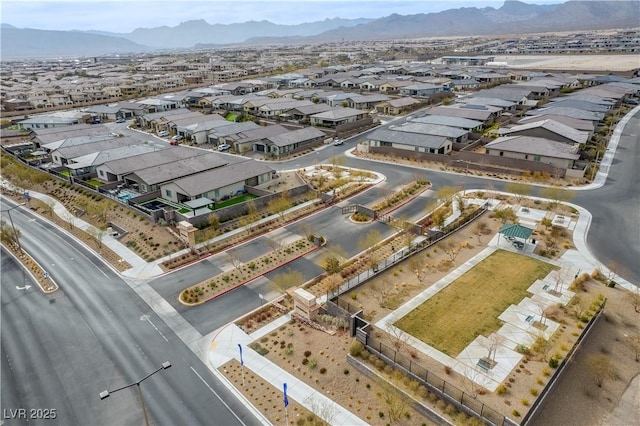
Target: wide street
[[60, 351]]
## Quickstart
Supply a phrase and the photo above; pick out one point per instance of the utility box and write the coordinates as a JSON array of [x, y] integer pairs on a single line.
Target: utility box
[[187, 232]]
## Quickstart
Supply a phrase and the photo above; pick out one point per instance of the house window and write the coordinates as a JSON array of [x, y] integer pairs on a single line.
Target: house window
[[501, 153], [167, 193], [536, 158], [526, 156], [102, 173]]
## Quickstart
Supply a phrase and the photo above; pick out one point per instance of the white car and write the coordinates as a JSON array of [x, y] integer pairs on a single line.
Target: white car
[[224, 147], [163, 134], [338, 142]]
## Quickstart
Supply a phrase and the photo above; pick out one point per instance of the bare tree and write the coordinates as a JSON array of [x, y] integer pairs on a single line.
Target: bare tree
[[396, 405], [275, 246], [331, 283], [50, 204], [235, 261], [9, 234], [633, 297], [491, 344], [479, 229], [634, 343], [97, 234], [450, 247], [398, 337], [325, 409], [556, 194], [368, 244], [600, 368], [249, 220], [560, 278], [69, 218], [280, 205], [381, 289]]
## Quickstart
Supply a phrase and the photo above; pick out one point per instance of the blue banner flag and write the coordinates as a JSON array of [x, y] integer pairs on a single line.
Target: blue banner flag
[[240, 347], [286, 400]]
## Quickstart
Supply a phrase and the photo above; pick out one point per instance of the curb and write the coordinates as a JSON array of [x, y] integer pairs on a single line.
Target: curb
[[23, 266], [215, 296]]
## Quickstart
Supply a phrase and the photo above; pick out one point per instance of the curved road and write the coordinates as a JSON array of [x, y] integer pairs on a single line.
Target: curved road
[[60, 351]]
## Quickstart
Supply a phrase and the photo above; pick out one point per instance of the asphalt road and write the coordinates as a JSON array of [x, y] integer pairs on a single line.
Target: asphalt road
[[60, 351]]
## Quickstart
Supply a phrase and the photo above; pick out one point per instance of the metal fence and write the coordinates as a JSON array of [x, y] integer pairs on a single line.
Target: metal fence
[[462, 400], [406, 252], [553, 381]]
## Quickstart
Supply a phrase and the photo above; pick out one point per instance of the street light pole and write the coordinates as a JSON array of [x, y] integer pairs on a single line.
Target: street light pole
[[106, 393], [13, 226]]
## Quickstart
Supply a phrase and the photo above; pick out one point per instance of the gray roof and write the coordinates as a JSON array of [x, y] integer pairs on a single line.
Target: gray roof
[[496, 102], [88, 148], [579, 96], [450, 111], [535, 146], [578, 104], [220, 177], [575, 123], [49, 119], [296, 136], [443, 120], [407, 138], [160, 114], [569, 112], [563, 130], [142, 161], [261, 132], [431, 129], [508, 92], [311, 109], [101, 157], [338, 113], [233, 129], [186, 167], [77, 140]]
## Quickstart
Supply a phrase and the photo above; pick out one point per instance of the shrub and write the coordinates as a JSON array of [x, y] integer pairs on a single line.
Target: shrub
[[447, 369], [313, 363], [323, 370], [525, 401], [307, 354], [356, 348], [553, 362], [501, 389], [346, 372], [516, 413], [534, 391], [546, 372]]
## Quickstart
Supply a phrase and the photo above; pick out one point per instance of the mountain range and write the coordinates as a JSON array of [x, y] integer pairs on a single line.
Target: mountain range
[[514, 17]]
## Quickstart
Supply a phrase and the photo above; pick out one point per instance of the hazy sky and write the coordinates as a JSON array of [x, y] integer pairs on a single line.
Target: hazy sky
[[125, 16]]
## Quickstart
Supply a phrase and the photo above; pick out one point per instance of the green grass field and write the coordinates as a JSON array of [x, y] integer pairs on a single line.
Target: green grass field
[[95, 183], [235, 200], [470, 305]]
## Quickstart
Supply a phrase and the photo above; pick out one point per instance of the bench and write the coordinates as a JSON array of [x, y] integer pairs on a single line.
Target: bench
[[529, 319], [484, 365]]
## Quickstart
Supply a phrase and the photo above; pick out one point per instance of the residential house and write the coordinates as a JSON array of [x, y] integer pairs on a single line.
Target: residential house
[[63, 154], [394, 86], [293, 141], [255, 139], [87, 163], [115, 170], [454, 134], [420, 90], [443, 120], [397, 106], [548, 129], [557, 154], [569, 112], [505, 106], [302, 113], [229, 133], [215, 183], [578, 104], [337, 116], [47, 121], [465, 84], [582, 125], [485, 114], [408, 141], [366, 102]]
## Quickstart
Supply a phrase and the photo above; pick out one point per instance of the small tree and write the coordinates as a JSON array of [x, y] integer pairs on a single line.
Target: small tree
[[446, 193], [556, 194], [450, 247], [280, 204], [506, 215], [600, 368], [235, 261], [249, 220], [479, 229], [367, 244], [634, 343], [332, 265], [9, 234], [50, 205], [286, 280], [519, 190], [633, 297], [70, 219]]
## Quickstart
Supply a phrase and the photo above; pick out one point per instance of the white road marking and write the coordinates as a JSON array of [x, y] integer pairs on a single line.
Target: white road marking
[[217, 396], [147, 319]]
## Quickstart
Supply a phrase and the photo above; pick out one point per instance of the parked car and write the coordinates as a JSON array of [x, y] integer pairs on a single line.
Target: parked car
[[163, 134], [174, 142], [338, 142], [120, 120], [177, 138], [224, 147]]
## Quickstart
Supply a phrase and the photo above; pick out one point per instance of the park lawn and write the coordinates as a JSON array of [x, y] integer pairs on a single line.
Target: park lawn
[[235, 200], [451, 319]]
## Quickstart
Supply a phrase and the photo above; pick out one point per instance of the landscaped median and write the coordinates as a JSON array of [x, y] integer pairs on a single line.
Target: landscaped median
[[245, 272]]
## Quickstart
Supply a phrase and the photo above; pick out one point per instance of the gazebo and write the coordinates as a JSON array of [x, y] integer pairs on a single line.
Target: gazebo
[[514, 233]]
